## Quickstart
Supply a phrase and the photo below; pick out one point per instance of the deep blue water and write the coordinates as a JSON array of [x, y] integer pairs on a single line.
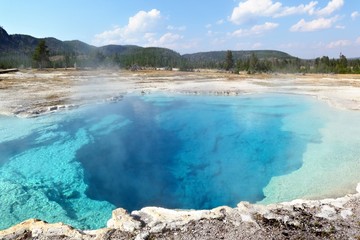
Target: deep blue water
[[195, 152]]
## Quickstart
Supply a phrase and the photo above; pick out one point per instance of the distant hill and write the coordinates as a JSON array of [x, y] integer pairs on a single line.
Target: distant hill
[[119, 49], [220, 55], [16, 50], [215, 58], [25, 44]]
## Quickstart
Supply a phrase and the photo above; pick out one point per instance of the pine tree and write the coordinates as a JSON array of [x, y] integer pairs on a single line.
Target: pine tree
[[229, 61], [41, 55], [253, 64]]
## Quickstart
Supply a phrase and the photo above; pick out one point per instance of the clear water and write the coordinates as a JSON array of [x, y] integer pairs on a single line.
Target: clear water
[[195, 152]]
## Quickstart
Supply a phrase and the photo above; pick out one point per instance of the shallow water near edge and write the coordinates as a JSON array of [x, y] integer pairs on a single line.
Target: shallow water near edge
[[174, 151]]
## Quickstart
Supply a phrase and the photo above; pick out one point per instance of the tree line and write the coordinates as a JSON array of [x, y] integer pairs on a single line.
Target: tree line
[[158, 57], [324, 64]]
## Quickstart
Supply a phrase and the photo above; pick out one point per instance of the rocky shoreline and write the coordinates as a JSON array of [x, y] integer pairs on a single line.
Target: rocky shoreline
[[300, 219], [32, 93]]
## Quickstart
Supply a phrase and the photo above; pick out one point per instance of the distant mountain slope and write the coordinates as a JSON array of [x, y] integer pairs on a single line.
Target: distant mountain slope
[[214, 58], [5, 39], [25, 44], [220, 55], [17, 50], [118, 49]]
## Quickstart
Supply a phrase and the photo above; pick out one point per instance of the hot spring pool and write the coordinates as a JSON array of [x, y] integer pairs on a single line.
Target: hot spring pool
[[193, 152]]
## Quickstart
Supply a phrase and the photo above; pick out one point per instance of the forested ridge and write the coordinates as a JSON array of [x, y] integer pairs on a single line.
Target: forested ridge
[[23, 51]]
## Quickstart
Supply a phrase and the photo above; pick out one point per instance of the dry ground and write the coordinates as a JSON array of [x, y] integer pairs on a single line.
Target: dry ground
[[32, 92]]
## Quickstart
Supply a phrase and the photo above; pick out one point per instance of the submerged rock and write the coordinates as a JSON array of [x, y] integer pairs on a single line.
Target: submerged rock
[[299, 219]]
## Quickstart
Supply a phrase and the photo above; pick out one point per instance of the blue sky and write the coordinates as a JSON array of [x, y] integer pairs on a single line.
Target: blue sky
[[303, 28]]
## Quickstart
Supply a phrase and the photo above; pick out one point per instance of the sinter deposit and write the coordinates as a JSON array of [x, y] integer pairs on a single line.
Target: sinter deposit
[[300, 219]]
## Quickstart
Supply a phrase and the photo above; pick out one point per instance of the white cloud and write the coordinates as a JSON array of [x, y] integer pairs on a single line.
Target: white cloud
[[355, 15], [289, 45], [168, 40], [219, 22], [331, 7], [248, 10], [258, 29], [143, 21], [255, 30], [218, 41], [315, 25], [257, 45], [340, 27], [174, 28], [252, 8], [339, 43], [357, 41], [301, 9], [149, 37], [142, 29], [139, 25]]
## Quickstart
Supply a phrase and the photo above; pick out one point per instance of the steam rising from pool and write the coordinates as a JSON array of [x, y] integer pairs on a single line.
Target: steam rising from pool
[[195, 152]]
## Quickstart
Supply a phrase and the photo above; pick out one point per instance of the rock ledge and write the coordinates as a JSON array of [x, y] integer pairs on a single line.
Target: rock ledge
[[300, 219]]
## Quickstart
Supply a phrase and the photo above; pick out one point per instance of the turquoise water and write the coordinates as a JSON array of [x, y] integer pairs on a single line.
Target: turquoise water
[[195, 152]]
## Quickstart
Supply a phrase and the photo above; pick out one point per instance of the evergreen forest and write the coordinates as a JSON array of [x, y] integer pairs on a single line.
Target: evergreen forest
[[23, 51]]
